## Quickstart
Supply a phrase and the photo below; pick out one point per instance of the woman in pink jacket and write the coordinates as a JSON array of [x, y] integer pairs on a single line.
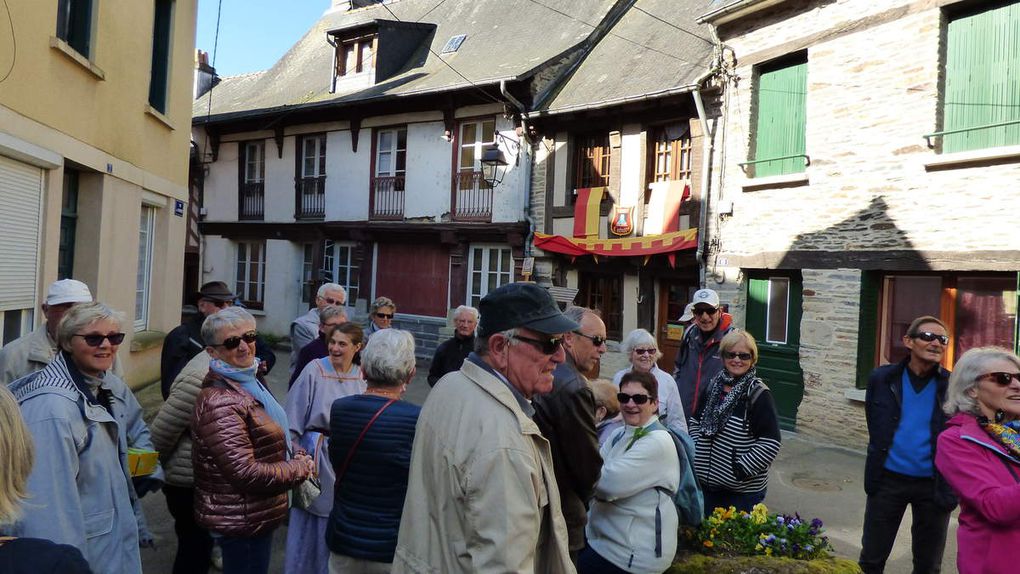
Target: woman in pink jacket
[[979, 455]]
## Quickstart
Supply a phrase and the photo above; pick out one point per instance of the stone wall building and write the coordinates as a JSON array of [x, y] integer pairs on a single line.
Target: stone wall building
[[871, 152]]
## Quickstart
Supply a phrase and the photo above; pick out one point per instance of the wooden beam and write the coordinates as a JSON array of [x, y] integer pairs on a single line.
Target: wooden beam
[[278, 137]]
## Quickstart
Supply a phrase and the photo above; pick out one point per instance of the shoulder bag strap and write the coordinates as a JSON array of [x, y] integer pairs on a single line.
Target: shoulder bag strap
[[354, 447], [1010, 468]]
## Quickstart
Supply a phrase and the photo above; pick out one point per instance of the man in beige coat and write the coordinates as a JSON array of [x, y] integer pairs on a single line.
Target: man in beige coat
[[481, 494]]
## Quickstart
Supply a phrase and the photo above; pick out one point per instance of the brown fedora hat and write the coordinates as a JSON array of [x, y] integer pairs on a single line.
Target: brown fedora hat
[[215, 291]]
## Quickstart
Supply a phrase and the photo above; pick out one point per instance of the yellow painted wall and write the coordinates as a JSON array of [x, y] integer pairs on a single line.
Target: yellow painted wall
[[52, 88]]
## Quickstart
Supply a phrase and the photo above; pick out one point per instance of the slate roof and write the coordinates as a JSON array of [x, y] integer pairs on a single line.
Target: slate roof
[[506, 39], [640, 57]]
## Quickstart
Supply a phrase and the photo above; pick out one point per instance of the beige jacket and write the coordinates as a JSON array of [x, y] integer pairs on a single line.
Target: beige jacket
[[481, 493], [171, 428]]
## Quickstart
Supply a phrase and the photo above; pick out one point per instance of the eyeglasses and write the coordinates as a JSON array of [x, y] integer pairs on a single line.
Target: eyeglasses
[[624, 398], [546, 346], [732, 355], [699, 311], [928, 337], [644, 351], [1000, 378], [231, 343], [332, 301], [95, 339], [595, 339], [384, 315]]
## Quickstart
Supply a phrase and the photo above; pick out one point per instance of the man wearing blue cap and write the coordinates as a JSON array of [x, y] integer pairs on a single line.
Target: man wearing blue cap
[[482, 495]]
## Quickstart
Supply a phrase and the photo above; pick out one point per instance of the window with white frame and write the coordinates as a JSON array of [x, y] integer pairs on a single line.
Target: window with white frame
[[339, 259], [474, 136], [143, 277], [391, 153], [490, 267], [251, 273]]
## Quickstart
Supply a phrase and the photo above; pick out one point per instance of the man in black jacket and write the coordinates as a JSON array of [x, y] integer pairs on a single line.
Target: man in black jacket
[[185, 341], [566, 417], [904, 412], [451, 353]]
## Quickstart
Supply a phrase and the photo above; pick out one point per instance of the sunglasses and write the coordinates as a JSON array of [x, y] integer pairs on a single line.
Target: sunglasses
[[732, 355], [95, 339], [644, 351], [231, 343], [384, 315], [928, 337], [546, 346], [332, 301], [624, 398], [699, 311], [1000, 378], [595, 339]]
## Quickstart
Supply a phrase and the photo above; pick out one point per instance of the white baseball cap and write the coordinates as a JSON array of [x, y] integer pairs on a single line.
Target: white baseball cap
[[688, 313], [68, 291], [706, 296]]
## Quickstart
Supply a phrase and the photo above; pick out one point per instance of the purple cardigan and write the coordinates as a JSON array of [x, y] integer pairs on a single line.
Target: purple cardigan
[[975, 465]]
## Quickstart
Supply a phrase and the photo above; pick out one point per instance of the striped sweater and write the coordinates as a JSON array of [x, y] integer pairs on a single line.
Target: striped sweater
[[738, 457]]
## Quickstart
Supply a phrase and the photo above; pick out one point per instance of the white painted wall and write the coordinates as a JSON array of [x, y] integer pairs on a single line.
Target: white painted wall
[[347, 176], [429, 171], [279, 182], [508, 197], [218, 260], [221, 185], [631, 162], [561, 195], [282, 295], [629, 300]]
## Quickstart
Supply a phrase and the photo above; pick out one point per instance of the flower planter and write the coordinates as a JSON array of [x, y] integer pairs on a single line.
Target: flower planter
[[701, 564]]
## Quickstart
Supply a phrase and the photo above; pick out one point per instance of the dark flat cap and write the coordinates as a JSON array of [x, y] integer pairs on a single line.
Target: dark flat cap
[[521, 305], [215, 291]]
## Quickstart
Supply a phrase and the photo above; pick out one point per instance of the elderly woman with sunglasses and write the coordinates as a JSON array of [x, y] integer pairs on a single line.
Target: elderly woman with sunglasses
[[979, 456], [308, 403], [633, 522], [380, 315], [735, 430], [643, 351], [239, 434], [84, 419]]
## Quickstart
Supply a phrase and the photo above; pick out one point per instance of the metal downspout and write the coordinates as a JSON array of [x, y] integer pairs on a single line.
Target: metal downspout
[[708, 146], [523, 149]]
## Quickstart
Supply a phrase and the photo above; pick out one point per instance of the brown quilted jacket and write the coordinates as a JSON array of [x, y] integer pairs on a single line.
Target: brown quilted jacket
[[241, 472]]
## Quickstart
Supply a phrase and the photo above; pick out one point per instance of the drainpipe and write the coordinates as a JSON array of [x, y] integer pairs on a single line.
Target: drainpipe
[[523, 150], [706, 163]]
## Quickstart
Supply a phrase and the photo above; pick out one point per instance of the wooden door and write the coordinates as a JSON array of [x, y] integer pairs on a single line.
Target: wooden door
[[774, 309], [673, 297]]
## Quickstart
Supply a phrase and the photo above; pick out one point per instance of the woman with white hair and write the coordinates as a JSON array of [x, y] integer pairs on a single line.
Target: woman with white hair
[[979, 456], [84, 419], [25, 555], [380, 315], [642, 350], [239, 448], [370, 450]]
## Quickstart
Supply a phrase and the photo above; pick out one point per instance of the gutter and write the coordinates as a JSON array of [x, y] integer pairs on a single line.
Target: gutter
[[735, 10], [522, 140], [625, 100], [708, 145]]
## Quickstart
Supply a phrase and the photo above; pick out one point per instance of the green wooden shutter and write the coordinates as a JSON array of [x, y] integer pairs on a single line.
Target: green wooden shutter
[[782, 101], [757, 302], [160, 72], [983, 78], [867, 326]]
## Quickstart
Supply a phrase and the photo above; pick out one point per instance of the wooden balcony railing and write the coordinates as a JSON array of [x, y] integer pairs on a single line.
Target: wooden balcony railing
[[472, 197], [388, 197], [251, 200], [310, 198]]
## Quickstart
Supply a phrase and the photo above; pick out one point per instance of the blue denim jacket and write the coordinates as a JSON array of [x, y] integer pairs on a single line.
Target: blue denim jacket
[[80, 490]]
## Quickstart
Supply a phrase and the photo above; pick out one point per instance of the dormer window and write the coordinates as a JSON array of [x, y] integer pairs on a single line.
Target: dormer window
[[356, 55]]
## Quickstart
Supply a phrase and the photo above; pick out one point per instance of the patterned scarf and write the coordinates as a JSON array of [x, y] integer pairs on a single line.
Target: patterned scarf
[[246, 378], [719, 408], [1008, 434]]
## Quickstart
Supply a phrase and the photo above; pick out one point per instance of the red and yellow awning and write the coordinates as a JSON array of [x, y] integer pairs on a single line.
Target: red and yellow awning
[[667, 243]]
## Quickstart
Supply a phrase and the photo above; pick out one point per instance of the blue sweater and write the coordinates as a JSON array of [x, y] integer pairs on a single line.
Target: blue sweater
[[911, 450], [369, 500]]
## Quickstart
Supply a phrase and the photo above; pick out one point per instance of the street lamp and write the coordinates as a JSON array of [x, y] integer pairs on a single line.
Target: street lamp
[[494, 165]]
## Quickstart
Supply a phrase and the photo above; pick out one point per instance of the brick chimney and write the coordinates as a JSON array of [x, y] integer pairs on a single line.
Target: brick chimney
[[205, 75]]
